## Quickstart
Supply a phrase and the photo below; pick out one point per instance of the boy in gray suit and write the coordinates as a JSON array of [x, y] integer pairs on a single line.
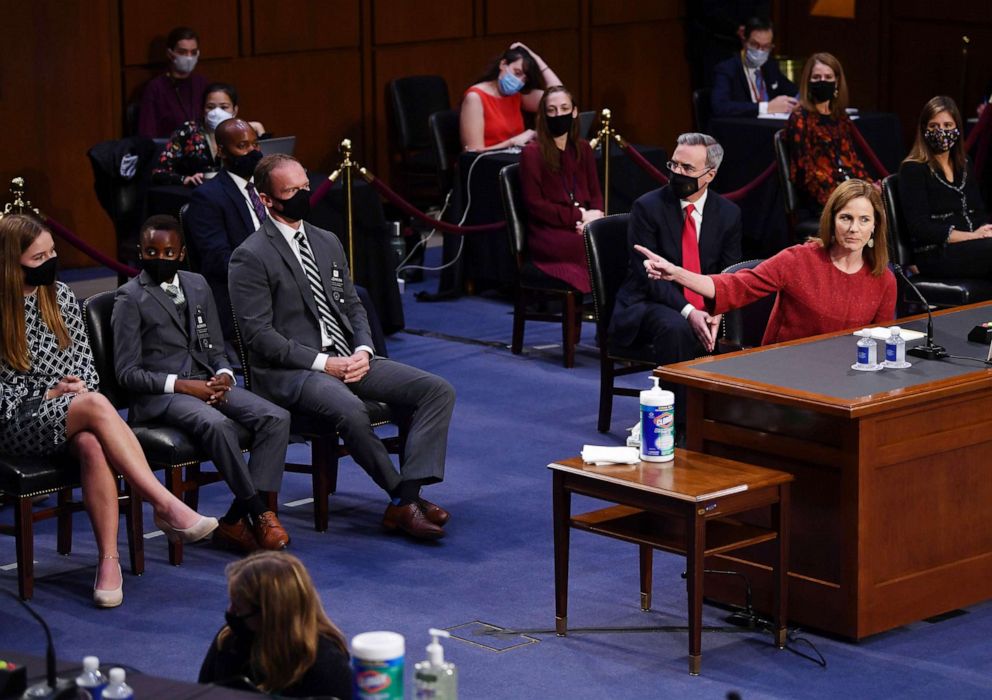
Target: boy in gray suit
[[169, 354]]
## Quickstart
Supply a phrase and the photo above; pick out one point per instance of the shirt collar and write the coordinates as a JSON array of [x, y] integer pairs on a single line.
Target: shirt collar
[[174, 282], [287, 231], [698, 204]]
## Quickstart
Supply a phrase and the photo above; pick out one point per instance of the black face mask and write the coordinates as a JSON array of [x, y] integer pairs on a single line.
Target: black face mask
[[244, 166], [560, 125], [822, 90], [238, 624], [682, 185], [296, 207], [160, 269], [41, 276]]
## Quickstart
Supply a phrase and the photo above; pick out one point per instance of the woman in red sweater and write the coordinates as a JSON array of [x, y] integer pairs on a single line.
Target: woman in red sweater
[[836, 281], [560, 188], [491, 116]]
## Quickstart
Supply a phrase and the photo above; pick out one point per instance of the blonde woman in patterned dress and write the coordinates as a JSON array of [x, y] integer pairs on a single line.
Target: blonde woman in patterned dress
[[49, 400]]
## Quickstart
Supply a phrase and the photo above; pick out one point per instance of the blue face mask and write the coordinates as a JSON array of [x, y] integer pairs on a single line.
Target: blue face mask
[[756, 58], [509, 84]]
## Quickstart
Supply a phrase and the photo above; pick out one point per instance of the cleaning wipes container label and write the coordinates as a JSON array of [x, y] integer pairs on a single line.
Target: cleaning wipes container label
[[657, 424], [377, 660]]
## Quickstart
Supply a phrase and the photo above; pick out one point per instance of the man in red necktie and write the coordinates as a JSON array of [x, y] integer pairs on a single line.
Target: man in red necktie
[[685, 222]]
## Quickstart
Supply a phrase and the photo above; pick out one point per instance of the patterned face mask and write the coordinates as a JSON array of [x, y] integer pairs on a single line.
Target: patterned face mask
[[941, 140]]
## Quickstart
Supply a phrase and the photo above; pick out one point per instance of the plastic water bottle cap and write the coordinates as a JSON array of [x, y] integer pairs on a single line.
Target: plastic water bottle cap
[[895, 329], [91, 663], [117, 675]]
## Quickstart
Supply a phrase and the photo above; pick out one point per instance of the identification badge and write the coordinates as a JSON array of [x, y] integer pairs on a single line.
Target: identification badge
[[30, 407], [202, 333], [337, 283]]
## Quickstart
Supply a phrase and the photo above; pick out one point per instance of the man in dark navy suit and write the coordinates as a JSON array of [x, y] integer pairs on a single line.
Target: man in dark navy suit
[[225, 210], [685, 222], [751, 83]]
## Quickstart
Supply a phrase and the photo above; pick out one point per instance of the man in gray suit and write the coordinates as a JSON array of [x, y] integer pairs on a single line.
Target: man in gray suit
[[169, 355], [310, 348]]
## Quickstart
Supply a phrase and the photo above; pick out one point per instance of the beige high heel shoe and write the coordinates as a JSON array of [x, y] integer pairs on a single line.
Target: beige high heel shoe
[[104, 598], [194, 533]]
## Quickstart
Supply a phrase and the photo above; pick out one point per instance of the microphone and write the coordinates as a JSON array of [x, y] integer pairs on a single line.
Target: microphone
[[930, 351], [52, 687]]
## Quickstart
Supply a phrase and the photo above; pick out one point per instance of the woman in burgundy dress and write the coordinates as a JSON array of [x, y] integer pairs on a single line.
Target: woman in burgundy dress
[[836, 281], [560, 189]]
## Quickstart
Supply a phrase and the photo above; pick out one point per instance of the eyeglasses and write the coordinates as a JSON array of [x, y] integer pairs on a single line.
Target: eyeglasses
[[760, 47], [686, 169]]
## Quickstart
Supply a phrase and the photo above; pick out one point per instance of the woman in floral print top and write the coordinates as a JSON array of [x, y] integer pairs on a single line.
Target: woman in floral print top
[[820, 135]]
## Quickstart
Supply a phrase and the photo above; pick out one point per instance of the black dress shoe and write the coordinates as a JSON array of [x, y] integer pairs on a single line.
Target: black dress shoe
[[411, 520], [433, 512]]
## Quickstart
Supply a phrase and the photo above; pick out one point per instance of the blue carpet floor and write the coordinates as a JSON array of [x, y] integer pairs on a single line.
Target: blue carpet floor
[[493, 571]]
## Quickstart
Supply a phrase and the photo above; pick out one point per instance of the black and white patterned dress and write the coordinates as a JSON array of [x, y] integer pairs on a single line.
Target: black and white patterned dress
[[45, 433]]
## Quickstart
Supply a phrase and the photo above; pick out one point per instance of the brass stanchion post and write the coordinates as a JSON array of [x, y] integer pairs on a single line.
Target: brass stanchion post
[[346, 165], [606, 132]]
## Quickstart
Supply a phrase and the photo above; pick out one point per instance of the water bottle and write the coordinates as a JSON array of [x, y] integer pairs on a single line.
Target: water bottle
[[91, 682], [867, 351], [895, 349], [117, 689]]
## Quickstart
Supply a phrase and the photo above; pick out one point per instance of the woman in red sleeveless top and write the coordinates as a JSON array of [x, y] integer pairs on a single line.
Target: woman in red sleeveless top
[[491, 116]]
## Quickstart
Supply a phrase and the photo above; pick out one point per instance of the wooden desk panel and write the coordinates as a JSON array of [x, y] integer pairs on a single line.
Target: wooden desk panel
[[891, 520]]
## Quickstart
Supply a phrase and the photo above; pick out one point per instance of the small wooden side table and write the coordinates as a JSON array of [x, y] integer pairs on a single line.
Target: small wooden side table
[[681, 507]]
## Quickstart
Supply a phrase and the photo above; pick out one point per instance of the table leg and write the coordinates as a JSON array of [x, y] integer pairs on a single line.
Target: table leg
[[695, 546], [562, 506], [780, 522], [647, 572]]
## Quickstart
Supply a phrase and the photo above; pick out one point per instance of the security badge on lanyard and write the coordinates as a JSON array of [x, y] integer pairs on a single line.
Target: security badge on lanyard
[[337, 284], [202, 334]]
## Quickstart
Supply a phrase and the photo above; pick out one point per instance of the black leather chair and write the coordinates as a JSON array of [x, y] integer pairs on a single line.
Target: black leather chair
[[745, 327], [412, 100], [609, 259], [939, 292], [446, 140], [325, 446], [165, 447], [702, 110], [586, 120], [22, 479], [801, 223], [531, 284]]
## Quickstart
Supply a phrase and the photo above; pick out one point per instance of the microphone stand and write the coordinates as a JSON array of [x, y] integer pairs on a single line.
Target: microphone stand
[[53, 686], [929, 351]]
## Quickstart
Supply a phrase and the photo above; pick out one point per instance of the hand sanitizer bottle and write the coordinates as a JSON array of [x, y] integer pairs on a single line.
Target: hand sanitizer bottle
[[435, 678]]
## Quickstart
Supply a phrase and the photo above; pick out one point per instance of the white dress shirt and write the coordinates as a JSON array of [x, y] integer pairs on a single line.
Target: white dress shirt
[[242, 184], [752, 83], [289, 234]]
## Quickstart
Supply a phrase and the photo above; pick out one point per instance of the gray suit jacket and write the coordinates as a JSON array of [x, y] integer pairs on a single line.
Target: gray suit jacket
[[277, 313], [152, 340]]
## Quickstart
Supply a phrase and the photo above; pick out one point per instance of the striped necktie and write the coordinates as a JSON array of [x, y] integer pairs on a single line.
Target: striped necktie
[[331, 325]]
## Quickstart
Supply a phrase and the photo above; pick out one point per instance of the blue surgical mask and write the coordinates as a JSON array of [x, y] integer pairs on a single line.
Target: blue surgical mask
[[509, 84], [756, 57]]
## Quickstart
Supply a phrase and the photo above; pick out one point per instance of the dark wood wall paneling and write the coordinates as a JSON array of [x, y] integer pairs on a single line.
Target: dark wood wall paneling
[[319, 68]]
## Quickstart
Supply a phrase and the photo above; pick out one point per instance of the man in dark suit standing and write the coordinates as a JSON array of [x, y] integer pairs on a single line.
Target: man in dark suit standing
[[308, 340], [225, 210], [169, 355], [686, 222], [751, 83]]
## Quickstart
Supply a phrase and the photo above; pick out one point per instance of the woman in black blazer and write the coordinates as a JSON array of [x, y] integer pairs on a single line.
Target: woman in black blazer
[[948, 226]]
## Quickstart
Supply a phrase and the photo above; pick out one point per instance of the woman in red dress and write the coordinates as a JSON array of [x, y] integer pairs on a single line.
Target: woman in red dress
[[491, 116], [560, 188], [836, 281], [819, 133]]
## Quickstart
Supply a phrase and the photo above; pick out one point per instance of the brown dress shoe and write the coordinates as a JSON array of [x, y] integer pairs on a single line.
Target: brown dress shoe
[[433, 512], [270, 532], [411, 520], [237, 536]]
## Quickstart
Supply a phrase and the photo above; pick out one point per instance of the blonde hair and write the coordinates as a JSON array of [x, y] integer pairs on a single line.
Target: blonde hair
[[292, 618], [838, 104], [878, 256], [17, 233]]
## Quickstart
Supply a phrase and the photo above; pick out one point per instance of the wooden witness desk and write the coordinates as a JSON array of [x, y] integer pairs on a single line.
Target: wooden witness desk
[[891, 516], [681, 508]]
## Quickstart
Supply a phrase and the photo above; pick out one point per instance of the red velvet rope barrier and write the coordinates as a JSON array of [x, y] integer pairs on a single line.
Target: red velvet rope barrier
[[870, 154], [747, 189], [77, 242], [321, 192], [981, 136], [383, 189]]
